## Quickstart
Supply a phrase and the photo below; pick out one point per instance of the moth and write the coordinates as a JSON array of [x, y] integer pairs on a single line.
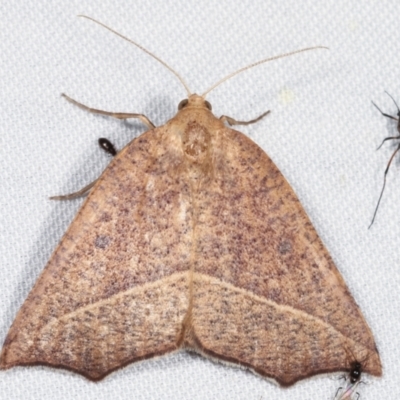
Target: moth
[[190, 239]]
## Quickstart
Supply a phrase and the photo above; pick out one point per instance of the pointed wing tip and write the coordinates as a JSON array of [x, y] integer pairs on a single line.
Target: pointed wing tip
[[376, 369], [372, 364], [3, 363]]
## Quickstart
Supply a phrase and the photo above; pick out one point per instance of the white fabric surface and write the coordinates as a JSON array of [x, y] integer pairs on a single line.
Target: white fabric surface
[[322, 133]]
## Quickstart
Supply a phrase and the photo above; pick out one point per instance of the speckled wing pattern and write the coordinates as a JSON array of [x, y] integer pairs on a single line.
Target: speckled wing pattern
[[116, 288], [192, 238], [267, 294]]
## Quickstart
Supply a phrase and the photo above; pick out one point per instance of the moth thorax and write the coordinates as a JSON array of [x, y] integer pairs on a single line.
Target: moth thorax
[[196, 141]]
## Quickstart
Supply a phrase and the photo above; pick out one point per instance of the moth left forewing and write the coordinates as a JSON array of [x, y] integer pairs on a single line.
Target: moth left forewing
[[116, 288]]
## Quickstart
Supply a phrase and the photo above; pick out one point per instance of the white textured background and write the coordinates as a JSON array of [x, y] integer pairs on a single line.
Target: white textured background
[[322, 134]]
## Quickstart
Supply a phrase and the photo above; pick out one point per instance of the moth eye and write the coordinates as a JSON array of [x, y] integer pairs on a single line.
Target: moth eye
[[182, 104], [208, 105]]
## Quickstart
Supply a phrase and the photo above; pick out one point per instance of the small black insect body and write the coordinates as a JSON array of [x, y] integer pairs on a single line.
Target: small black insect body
[[353, 379], [107, 146], [394, 153], [355, 373]]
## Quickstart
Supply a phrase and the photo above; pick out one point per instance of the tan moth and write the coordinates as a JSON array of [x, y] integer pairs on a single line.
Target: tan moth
[[190, 239]]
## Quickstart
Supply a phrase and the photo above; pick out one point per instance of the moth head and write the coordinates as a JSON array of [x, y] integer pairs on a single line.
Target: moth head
[[194, 100]]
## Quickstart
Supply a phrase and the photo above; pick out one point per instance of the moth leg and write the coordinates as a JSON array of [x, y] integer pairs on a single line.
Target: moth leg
[[107, 146], [141, 117], [75, 195], [231, 121]]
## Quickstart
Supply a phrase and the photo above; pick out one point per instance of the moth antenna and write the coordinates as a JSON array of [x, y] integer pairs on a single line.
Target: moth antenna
[[143, 49], [258, 63], [394, 101]]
